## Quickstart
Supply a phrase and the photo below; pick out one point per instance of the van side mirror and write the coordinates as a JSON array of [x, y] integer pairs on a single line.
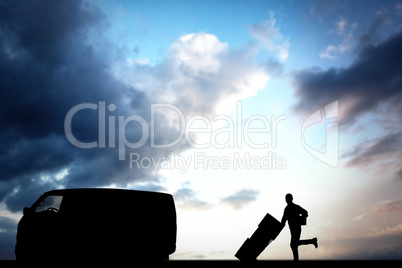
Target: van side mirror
[[26, 211]]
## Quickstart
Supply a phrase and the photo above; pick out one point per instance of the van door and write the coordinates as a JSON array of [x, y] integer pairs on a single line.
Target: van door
[[45, 228]]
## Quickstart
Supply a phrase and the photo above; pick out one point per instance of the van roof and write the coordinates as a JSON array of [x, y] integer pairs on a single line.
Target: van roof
[[107, 191]]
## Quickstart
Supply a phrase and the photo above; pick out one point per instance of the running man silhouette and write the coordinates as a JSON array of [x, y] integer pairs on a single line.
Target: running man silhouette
[[295, 214]]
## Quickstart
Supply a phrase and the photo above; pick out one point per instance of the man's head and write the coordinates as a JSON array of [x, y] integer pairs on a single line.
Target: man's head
[[289, 198]]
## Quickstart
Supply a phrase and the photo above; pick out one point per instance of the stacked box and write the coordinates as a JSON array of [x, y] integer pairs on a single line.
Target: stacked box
[[268, 229]]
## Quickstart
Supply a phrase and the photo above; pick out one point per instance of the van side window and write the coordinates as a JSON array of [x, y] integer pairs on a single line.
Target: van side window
[[50, 203]]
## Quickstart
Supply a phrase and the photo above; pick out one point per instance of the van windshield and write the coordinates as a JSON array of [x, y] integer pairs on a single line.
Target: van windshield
[[50, 203]]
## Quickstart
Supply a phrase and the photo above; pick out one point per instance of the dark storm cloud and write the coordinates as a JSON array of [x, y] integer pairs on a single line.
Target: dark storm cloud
[[390, 207], [374, 77], [372, 80], [53, 56], [376, 151]]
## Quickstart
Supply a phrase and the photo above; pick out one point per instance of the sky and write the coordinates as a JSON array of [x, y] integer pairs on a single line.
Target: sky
[[226, 105]]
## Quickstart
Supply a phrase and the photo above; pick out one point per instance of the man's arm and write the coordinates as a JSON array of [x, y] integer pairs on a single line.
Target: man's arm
[[284, 218]]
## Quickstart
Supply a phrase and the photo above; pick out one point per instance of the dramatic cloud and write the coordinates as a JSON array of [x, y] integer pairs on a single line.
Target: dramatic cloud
[[240, 198], [374, 32], [53, 56], [372, 83], [200, 75], [186, 199], [380, 151], [389, 207], [394, 230], [372, 79]]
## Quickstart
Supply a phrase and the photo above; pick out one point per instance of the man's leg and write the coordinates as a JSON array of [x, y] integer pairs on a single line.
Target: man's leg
[[309, 242], [295, 241]]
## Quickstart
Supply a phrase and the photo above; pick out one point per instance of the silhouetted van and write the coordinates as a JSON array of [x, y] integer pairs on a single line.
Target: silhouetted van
[[98, 224]]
